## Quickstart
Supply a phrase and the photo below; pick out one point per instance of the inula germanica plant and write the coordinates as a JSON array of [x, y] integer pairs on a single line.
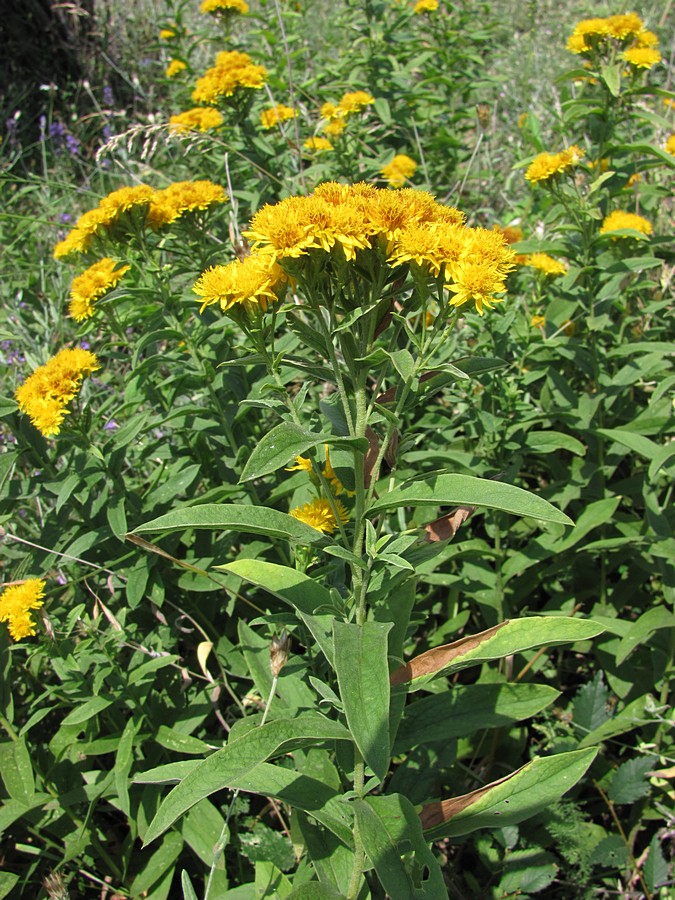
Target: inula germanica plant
[[348, 299]]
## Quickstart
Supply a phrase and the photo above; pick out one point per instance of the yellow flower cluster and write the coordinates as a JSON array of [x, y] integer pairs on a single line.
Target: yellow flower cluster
[[319, 514], [511, 233], [232, 70], [603, 35], [537, 321], [16, 603], [400, 228], [336, 115], [45, 394], [399, 170], [275, 114], [546, 166], [422, 6], [618, 220], [317, 144], [106, 215], [199, 118], [167, 34], [155, 208], [175, 67], [302, 464], [92, 285], [224, 6], [183, 197], [544, 263], [670, 145]]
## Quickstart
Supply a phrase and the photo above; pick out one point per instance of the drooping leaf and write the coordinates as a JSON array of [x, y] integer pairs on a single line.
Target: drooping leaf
[[393, 840], [511, 636], [231, 516], [630, 717], [363, 676], [467, 490], [590, 707], [230, 766], [509, 800], [629, 783]]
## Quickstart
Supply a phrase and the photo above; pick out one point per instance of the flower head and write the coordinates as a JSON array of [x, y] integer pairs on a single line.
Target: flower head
[[537, 321], [183, 197], [475, 282], [175, 67], [224, 6], [317, 144], [253, 282], [319, 514], [45, 394], [618, 220], [353, 102], [91, 285], [233, 70], [670, 145], [422, 6], [544, 263], [546, 166], [642, 57], [275, 114], [166, 34], [197, 119], [399, 170], [16, 603]]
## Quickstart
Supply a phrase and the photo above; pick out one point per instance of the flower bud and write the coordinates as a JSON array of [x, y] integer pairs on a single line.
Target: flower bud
[[279, 649]]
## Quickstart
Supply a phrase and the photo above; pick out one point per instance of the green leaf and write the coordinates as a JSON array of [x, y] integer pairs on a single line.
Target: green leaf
[[263, 844], [331, 860], [161, 861], [590, 707], [17, 771], [230, 516], [86, 711], [393, 840], [316, 890], [552, 441], [629, 782], [635, 442], [509, 800], [467, 490], [653, 620], [300, 591], [286, 441], [230, 766], [465, 709], [363, 677], [7, 882], [512, 636], [655, 869], [189, 892], [611, 75], [629, 718]]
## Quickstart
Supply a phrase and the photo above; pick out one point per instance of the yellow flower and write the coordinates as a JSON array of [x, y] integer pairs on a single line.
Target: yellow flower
[[282, 229], [45, 393], [175, 67], [399, 170], [354, 102], [183, 197], [670, 145], [623, 25], [276, 114], [232, 70], [642, 57], [537, 321], [335, 127], [425, 6], [618, 220], [646, 39], [301, 465], [511, 233], [166, 34], [197, 119], [545, 263], [91, 285], [547, 165], [477, 282], [249, 283], [319, 515], [317, 145], [16, 603], [218, 6]]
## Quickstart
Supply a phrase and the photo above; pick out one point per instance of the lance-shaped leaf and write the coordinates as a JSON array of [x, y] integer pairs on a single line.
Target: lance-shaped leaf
[[511, 636], [466, 709], [363, 677], [393, 840], [467, 490], [303, 593], [231, 766], [509, 800], [286, 441], [234, 517]]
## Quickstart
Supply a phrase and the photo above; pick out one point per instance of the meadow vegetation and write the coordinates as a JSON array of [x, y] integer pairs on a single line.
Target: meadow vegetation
[[336, 459]]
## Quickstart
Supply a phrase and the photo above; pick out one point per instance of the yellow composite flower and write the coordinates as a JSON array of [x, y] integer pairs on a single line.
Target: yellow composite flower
[[618, 220], [537, 321], [249, 283], [302, 464], [183, 197], [318, 514], [233, 70], [544, 263], [275, 114], [511, 233], [200, 118], [476, 282], [624, 24], [335, 127], [166, 34], [546, 166], [218, 6], [646, 38], [17, 601], [670, 145], [45, 394], [642, 57], [422, 6], [175, 67], [282, 229], [317, 145], [354, 102], [93, 284], [399, 170]]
